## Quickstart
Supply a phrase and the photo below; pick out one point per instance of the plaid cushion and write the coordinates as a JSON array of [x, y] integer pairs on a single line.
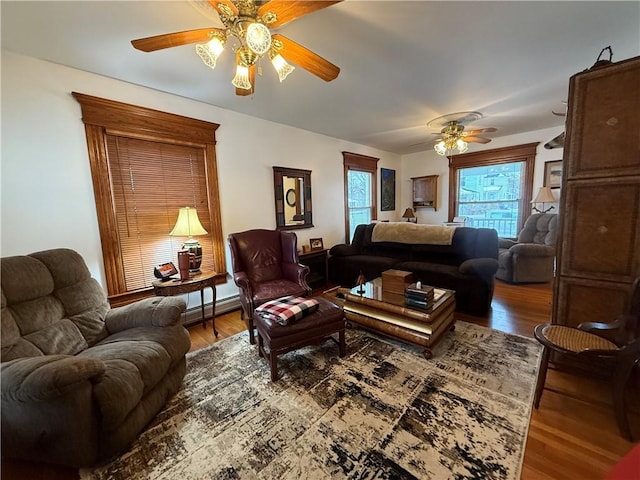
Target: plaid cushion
[[287, 309]]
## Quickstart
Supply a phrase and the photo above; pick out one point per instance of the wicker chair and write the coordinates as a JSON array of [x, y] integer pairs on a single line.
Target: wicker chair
[[622, 352]]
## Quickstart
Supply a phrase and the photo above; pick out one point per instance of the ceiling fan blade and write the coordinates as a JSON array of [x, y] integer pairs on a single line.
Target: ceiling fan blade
[[476, 139], [252, 79], [288, 10], [481, 130], [168, 40], [556, 142], [306, 59], [228, 3]]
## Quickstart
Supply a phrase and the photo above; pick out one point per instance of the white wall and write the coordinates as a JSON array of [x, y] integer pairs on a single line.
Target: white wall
[[47, 194], [430, 163]]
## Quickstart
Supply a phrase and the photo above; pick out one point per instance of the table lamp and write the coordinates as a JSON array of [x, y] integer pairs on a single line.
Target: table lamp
[[545, 195], [408, 214], [188, 225]]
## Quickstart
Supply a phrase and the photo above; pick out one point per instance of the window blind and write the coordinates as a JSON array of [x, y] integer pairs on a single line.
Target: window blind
[[150, 181]]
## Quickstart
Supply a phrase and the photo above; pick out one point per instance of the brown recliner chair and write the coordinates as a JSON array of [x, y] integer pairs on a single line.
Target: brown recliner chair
[[265, 267], [80, 380], [531, 258]]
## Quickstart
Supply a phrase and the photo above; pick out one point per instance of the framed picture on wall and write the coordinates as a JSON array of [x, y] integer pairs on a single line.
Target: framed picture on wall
[[387, 189], [553, 174]]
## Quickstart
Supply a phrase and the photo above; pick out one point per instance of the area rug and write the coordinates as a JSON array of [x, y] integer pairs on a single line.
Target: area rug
[[382, 412]]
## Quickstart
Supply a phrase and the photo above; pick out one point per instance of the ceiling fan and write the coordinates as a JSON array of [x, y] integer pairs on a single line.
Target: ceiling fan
[[248, 24], [557, 142], [453, 135]]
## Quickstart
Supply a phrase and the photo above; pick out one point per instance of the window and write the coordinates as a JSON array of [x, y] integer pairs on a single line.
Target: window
[[492, 189], [150, 181], [145, 165], [360, 178]]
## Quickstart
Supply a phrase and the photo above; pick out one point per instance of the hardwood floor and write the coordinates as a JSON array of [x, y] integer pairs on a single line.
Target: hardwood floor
[[572, 436]]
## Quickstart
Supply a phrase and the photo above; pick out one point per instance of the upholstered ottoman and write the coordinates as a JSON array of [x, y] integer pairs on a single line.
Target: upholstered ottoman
[[275, 339]]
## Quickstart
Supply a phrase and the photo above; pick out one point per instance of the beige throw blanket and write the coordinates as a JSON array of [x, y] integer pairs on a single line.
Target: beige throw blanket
[[406, 232]]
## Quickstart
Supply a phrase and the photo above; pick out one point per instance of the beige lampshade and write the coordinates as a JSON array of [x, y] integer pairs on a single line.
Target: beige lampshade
[[188, 223], [545, 195]]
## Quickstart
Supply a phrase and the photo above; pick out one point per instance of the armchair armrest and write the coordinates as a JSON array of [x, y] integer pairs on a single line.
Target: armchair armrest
[[37, 379], [506, 242], [149, 312], [297, 273], [589, 326], [242, 281], [532, 250], [483, 267], [344, 250], [49, 413]]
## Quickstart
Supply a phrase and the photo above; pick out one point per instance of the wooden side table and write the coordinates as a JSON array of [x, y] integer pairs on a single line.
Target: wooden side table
[[199, 281], [317, 261]]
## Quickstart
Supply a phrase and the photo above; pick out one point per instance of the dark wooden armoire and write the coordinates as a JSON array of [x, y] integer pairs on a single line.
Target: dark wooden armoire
[[598, 251]]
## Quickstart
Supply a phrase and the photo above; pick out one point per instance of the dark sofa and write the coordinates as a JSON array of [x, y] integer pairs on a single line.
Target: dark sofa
[[468, 265]]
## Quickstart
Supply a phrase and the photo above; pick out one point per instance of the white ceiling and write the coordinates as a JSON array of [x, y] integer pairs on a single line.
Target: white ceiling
[[402, 63]]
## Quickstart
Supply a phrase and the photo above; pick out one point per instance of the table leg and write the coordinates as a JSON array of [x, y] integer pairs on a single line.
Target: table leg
[[204, 322], [213, 312]]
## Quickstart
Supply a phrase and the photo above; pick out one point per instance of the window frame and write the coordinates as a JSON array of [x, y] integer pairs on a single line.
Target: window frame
[[519, 153], [102, 116], [362, 163]]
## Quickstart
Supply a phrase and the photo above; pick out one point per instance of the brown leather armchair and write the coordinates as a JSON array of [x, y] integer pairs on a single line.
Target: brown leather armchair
[[265, 267]]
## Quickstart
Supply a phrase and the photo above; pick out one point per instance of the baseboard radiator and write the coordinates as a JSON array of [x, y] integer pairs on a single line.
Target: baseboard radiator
[[193, 315]]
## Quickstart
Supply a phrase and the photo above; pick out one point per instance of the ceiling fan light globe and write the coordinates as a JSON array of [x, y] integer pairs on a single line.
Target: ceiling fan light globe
[[462, 145], [207, 57], [241, 80], [440, 148], [282, 67], [210, 51], [216, 46], [258, 38]]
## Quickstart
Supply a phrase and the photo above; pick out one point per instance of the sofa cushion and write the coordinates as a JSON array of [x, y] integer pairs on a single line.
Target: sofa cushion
[[50, 301], [435, 274], [539, 228], [273, 289], [175, 339], [24, 278], [136, 360], [61, 338], [36, 314]]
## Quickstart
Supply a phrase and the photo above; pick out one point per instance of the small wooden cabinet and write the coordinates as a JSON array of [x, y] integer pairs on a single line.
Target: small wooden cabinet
[[425, 192], [317, 262]]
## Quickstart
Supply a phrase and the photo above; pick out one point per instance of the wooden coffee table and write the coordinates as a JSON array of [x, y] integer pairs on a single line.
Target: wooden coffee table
[[364, 306]]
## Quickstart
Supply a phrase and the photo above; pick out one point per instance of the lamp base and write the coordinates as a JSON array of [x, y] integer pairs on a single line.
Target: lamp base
[[195, 255], [536, 209]]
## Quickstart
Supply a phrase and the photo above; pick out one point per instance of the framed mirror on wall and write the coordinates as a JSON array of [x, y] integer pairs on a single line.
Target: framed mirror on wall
[[292, 193]]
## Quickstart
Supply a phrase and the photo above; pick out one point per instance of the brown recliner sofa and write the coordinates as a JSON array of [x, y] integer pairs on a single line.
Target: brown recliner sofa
[[265, 267], [530, 258], [81, 380]]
